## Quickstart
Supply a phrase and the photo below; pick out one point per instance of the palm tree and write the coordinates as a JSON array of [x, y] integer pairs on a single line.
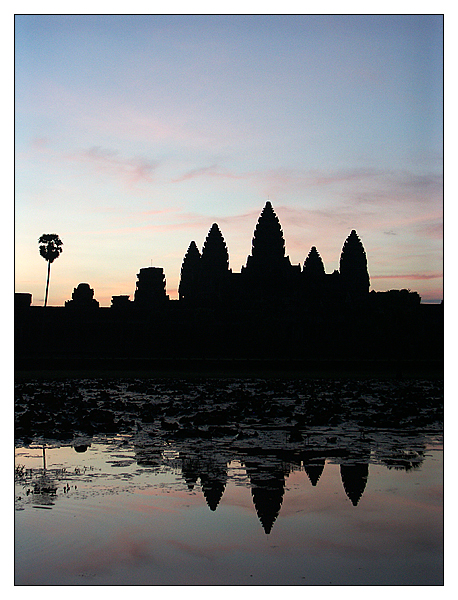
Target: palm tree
[[50, 248]]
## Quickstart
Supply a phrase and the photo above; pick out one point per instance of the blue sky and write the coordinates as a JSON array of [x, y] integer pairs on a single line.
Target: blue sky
[[135, 133]]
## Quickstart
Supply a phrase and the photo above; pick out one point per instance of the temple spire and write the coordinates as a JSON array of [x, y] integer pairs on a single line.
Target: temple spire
[[215, 257], [268, 245], [214, 270], [313, 265], [190, 269], [353, 268]]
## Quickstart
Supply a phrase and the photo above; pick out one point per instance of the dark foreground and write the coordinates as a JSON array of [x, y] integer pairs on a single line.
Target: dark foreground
[[226, 481], [56, 367], [63, 409]]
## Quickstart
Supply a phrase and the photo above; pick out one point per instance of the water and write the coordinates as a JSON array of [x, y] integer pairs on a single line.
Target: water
[[177, 495]]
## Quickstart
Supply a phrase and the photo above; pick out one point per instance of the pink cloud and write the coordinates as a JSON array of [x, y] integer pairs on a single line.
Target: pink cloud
[[149, 213], [324, 178], [186, 222], [284, 176], [251, 215], [195, 173], [357, 186], [123, 549], [216, 172], [40, 143], [433, 230], [133, 169], [159, 126], [427, 223]]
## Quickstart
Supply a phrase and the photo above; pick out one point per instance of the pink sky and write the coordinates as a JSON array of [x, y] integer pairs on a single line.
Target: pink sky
[[129, 147]]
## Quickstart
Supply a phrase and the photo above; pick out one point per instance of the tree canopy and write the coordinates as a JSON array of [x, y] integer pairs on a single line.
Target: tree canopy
[[50, 246]]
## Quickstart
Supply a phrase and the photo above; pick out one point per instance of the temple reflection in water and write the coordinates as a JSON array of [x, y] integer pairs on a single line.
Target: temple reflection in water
[[206, 469], [253, 432], [266, 471]]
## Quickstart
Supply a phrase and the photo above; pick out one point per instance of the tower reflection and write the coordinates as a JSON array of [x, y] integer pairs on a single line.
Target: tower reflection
[[354, 480], [267, 469], [267, 489]]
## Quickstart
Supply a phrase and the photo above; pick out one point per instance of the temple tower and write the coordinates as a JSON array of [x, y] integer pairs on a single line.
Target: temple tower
[[313, 265], [268, 270], [150, 290], [313, 279], [354, 276], [268, 245], [190, 274], [82, 297], [214, 267]]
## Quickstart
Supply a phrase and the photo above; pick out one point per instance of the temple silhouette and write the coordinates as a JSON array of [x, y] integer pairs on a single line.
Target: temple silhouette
[[269, 279], [271, 309]]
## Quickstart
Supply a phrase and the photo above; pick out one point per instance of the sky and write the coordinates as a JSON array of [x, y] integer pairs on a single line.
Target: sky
[[135, 133]]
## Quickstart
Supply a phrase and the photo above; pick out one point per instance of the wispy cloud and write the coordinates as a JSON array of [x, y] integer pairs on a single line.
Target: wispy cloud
[[283, 176], [369, 217], [433, 230], [362, 185], [211, 170], [104, 160], [183, 222], [40, 143]]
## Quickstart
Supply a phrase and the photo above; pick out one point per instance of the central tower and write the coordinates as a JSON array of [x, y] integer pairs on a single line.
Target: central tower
[[267, 269], [268, 245]]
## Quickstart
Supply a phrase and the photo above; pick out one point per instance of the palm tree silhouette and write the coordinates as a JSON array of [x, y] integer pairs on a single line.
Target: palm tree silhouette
[[50, 248]]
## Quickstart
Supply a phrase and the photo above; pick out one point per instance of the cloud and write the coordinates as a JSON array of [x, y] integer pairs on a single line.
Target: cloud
[[131, 169], [253, 215], [150, 213], [215, 171], [432, 230], [358, 186], [184, 221], [195, 173], [40, 143], [369, 218], [103, 160], [326, 178], [283, 176]]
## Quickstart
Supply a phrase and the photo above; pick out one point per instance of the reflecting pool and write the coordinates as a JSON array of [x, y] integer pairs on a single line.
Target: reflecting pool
[[233, 482]]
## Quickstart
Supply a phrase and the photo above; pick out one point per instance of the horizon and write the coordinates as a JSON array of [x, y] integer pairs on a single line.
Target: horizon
[[129, 147]]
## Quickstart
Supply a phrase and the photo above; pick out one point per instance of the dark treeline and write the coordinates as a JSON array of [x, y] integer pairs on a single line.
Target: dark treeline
[[270, 310]]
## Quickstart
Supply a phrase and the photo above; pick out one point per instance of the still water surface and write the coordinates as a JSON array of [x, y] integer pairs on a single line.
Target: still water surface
[[334, 505]]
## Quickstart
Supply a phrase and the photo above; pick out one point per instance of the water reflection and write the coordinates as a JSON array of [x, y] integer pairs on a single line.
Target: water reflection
[[255, 474], [204, 465]]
